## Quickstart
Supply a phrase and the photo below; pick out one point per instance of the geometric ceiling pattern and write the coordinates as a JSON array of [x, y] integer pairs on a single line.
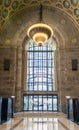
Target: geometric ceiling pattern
[[8, 8]]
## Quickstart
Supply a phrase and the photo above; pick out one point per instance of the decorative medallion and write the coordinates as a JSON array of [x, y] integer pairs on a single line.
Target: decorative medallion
[[7, 3], [15, 4], [74, 40], [74, 2], [76, 12], [63, 21], [66, 4], [4, 13]]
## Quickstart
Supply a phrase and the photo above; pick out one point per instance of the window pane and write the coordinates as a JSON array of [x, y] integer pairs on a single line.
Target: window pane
[[30, 102], [26, 103], [49, 103], [44, 103], [40, 68], [55, 104], [40, 102]]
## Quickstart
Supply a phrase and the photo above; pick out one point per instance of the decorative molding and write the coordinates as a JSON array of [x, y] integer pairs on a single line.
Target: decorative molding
[[8, 8]]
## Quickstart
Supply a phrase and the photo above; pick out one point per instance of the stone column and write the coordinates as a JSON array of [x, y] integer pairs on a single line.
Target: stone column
[[24, 71], [58, 77], [18, 95]]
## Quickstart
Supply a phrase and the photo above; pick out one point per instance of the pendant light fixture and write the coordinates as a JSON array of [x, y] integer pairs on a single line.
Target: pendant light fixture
[[40, 32]]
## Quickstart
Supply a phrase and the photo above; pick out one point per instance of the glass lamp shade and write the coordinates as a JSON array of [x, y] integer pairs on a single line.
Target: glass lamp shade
[[40, 33]]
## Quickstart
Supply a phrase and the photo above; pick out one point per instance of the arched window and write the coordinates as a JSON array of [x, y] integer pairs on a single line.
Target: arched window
[[40, 78], [40, 68]]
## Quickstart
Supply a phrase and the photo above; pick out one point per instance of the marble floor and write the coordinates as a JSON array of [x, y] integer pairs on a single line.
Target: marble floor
[[39, 123]]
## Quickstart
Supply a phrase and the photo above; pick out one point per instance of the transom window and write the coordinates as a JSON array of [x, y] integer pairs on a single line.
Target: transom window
[[40, 68]]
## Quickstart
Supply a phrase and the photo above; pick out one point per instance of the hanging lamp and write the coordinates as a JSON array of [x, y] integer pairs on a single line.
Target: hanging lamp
[[40, 32]]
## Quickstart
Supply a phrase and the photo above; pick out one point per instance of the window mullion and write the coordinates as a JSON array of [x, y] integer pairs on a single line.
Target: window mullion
[[28, 70], [33, 67], [42, 71], [47, 67], [51, 71]]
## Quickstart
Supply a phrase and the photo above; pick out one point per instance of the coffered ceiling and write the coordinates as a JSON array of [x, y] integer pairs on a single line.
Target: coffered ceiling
[[8, 8], [16, 16]]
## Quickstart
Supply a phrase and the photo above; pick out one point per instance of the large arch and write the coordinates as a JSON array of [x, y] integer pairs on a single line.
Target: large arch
[[14, 34]]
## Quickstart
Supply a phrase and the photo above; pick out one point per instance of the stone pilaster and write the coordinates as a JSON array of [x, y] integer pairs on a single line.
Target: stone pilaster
[[18, 104]]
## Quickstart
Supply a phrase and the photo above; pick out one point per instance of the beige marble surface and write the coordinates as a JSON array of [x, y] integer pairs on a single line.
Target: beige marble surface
[[39, 123], [67, 124]]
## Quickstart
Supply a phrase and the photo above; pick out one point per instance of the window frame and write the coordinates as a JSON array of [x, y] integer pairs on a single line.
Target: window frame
[[31, 52]]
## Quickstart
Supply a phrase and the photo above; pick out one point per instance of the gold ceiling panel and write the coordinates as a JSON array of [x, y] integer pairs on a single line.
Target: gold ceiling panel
[[10, 7]]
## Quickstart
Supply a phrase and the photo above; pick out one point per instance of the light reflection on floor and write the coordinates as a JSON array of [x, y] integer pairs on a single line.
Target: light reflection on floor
[[41, 123], [32, 123]]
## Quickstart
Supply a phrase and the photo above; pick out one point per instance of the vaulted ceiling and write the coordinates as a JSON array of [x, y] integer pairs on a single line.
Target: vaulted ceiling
[[17, 15], [8, 8]]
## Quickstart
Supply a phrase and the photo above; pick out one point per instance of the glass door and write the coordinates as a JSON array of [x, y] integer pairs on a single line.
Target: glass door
[[35, 103], [50, 105], [40, 103], [30, 105], [45, 102], [55, 104]]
